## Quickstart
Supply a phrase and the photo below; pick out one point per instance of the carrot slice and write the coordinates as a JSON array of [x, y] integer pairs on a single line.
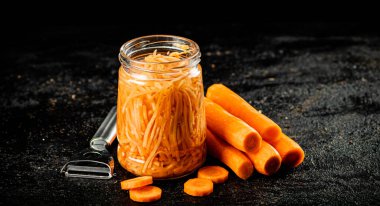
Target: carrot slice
[[145, 194], [216, 174], [229, 155], [198, 187], [291, 153], [238, 107], [136, 182], [230, 128], [267, 160]]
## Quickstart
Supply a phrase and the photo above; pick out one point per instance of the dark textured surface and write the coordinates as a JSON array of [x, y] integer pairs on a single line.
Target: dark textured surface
[[58, 84]]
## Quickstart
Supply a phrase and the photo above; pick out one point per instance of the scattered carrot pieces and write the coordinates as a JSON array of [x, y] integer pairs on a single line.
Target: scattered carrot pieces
[[198, 187], [230, 128], [267, 160], [226, 135], [216, 174], [136, 182], [145, 194], [291, 153], [238, 107], [229, 155]]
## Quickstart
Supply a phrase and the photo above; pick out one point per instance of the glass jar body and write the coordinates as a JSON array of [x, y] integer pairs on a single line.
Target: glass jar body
[[161, 123]]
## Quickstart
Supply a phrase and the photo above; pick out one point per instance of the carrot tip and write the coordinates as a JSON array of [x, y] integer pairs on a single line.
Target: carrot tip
[[272, 133], [245, 170], [253, 143], [272, 165], [293, 158]]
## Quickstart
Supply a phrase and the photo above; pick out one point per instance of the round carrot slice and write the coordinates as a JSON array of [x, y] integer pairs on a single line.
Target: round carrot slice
[[145, 194], [216, 174], [198, 187], [136, 182]]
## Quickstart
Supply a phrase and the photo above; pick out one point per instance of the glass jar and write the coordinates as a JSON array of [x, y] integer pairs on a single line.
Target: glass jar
[[161, 125]]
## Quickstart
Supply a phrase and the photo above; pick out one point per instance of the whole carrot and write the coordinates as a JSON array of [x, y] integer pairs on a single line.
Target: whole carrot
[[229, 155], [291, 153], [266, 160], [238, 107], [230, 128]]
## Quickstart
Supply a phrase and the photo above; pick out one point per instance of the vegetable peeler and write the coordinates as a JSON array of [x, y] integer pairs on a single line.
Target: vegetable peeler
[[95, 162]]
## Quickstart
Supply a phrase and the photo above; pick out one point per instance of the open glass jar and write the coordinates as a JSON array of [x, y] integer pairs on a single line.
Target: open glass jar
[[161, 125]]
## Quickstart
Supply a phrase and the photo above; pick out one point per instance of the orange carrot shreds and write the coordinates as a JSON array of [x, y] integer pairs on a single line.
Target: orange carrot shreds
[[229, 155], [145, 194], [198, 187], [216, 174], [266, 160], [230, 128], [136, 182], [238, 107], [291, 153], [161, 124]]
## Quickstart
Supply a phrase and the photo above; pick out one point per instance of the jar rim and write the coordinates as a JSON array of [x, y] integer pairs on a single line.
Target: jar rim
[[127, 46]]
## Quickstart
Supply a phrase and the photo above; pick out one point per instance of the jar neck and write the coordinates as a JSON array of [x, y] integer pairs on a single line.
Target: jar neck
[[133, 53]]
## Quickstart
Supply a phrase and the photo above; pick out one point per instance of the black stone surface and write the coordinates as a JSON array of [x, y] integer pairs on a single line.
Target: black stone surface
[[322, 88]]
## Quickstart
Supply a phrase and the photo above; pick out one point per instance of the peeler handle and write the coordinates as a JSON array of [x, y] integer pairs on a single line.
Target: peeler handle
[[106, 133]]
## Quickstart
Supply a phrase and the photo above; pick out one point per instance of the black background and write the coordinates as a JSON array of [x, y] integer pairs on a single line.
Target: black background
[[318, 79]]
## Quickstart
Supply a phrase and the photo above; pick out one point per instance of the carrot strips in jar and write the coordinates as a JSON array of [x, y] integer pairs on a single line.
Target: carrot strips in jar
[[160, 111]]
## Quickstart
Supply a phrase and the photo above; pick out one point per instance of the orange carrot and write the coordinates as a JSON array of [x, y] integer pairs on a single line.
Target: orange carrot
[[136, 182], [216, 174], [237, 106], [267, 160], [291, 153], [145, 194], [229, 155], [230, 128], [198, 187]]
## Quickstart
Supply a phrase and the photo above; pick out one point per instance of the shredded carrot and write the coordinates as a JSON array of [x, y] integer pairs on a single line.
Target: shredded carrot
[[145, 194], [238, 107], [216, 174], [161, 117], [198, 187], [136, 182]]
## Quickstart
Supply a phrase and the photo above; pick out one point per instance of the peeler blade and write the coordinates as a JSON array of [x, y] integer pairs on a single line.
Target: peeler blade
[[90, 164], [98, 172], [95, 162]]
